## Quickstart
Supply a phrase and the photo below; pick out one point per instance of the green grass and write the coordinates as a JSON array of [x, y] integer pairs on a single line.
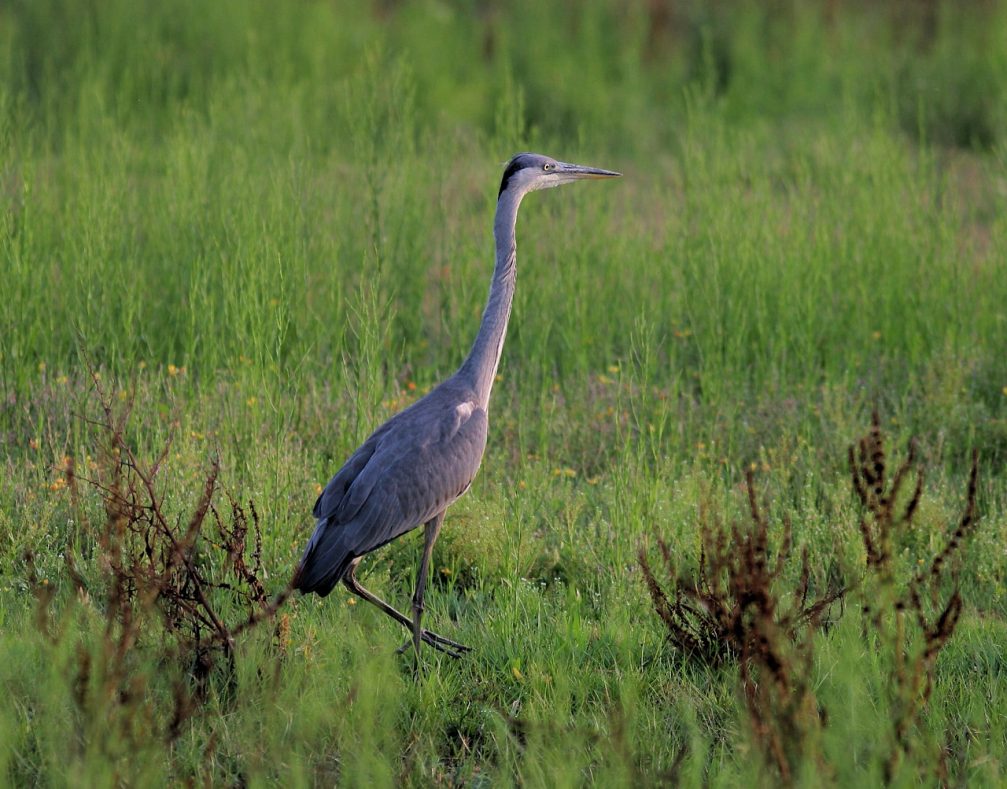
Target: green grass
[[273, 224]]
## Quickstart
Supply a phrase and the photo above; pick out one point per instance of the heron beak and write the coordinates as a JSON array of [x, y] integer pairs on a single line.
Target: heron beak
[[579, 171]]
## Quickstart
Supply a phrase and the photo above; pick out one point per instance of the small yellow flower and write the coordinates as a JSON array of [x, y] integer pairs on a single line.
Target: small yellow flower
[[33, 443], [172, 370], [753, 466], [62, 380], [876, 335], [613, 368], [318, 489], [604, 379], [593, 480], [517, 673], [498, 378], [1004, 390], [521, 484], [41, 367], [445, 571], [251, 402], [351, 601], [142, 365]]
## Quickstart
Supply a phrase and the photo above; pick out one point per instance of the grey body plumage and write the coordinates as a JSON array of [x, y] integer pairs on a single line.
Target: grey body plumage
[[415, 465], [400, 477]]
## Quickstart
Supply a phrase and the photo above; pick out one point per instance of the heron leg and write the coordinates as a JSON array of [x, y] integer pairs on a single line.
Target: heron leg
[[438, 642], [430, 532]]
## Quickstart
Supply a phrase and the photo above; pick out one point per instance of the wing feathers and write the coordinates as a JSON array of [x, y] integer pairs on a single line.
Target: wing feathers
[[409, 470]]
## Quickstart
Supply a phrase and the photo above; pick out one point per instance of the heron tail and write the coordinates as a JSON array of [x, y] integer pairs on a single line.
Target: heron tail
[[324, 562]]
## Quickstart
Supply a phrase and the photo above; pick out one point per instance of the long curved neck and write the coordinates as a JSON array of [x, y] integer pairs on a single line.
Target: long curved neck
[[480, 367]]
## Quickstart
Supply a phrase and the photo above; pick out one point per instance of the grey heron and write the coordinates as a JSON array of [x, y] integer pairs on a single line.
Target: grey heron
[[415, 465]]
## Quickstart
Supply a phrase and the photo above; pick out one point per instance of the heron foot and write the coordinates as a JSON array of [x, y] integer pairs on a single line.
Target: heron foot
[[438, 642]]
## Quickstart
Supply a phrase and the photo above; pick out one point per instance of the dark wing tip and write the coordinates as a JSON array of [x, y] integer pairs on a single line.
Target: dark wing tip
[[295, 581], [321, 568]]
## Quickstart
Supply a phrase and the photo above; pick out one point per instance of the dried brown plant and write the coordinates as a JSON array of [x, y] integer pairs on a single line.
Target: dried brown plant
[[897, 611], [180, 589], [737, 608]]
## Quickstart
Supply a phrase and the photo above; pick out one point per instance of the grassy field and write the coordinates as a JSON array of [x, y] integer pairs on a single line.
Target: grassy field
[[261, 229]]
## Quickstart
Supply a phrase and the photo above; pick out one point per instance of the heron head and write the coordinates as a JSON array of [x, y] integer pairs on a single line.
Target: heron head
[[527, 172]]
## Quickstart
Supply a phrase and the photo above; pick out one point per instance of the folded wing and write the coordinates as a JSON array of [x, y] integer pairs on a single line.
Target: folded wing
[[409, 470]]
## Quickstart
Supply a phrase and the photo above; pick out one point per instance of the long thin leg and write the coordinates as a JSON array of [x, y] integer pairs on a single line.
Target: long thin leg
[[438, 642], [430, 532]]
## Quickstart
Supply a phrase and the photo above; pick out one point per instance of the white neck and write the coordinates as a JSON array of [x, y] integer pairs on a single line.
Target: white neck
[[480, 367]]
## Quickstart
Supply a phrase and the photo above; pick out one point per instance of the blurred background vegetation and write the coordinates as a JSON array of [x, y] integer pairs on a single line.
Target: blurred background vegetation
[[622, 71]]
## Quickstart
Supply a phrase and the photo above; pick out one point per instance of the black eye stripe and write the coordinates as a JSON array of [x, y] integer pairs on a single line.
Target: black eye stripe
[[515, 165]]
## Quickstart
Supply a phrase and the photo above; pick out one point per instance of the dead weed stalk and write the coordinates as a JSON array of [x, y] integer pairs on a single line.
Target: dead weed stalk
[[905, 615], [739, 609], [734, 610], [176, 590]]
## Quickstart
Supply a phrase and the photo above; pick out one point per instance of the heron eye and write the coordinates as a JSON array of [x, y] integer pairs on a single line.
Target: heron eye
[[548, 166]]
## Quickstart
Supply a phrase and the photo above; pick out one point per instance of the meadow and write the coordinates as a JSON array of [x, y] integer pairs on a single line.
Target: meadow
[[236, 236]]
